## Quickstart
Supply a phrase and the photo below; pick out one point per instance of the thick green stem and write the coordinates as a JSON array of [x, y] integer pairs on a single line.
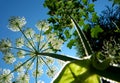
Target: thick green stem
[[20, 49], [59, 56], [111, 72]]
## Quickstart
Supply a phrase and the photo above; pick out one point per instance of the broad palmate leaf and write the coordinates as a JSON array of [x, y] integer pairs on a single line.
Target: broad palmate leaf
[[79, 71]]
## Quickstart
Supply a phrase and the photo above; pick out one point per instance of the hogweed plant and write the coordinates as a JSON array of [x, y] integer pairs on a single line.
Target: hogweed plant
[[30, 48], [38, 50]]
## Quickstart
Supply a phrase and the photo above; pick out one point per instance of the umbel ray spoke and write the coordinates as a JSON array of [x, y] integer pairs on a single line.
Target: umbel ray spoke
[[46, 63], [36, 69], [26, 38], [32, 41], [59, 56], [20, 49], [39, 39], [27, 46], [43, 45], [30, 65], [45, 49]]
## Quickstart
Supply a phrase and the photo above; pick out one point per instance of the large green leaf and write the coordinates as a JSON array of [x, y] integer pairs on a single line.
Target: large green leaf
[[67, 34], [94, 17], [91, 7], [85, 2], [71, 43], [95, 31], [78, 71]]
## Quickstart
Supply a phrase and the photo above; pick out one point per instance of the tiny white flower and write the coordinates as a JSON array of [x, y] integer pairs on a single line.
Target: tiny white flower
[[39, 72], [5, 78], [20, 42], [42, 25], [21, 54], [9, 58], [29, 32], [5, 45], [16, 23]]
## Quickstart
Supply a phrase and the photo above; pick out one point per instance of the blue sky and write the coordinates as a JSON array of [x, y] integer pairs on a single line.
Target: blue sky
[[33, 11]]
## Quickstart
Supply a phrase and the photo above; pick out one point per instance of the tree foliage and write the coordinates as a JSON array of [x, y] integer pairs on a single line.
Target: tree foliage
[[60, 12]]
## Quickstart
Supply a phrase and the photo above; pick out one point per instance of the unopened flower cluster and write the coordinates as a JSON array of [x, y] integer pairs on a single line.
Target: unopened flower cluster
[[28, 48]]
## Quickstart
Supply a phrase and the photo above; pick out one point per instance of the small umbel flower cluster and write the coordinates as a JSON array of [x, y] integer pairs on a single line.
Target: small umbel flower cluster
[[16, 23], [31, 48], [111, 49]]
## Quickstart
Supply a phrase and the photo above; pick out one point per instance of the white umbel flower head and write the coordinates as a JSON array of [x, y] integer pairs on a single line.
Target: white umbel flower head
[[16, 23], [51, 36], [33, 44], [42, 25], [38, 37], [5, 45], [39, 72], [20, 42], [57, 43], [9, 58], [23, 78], [49, 60], [29, 32], [51, 73], [5, 78], [21, 54]]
